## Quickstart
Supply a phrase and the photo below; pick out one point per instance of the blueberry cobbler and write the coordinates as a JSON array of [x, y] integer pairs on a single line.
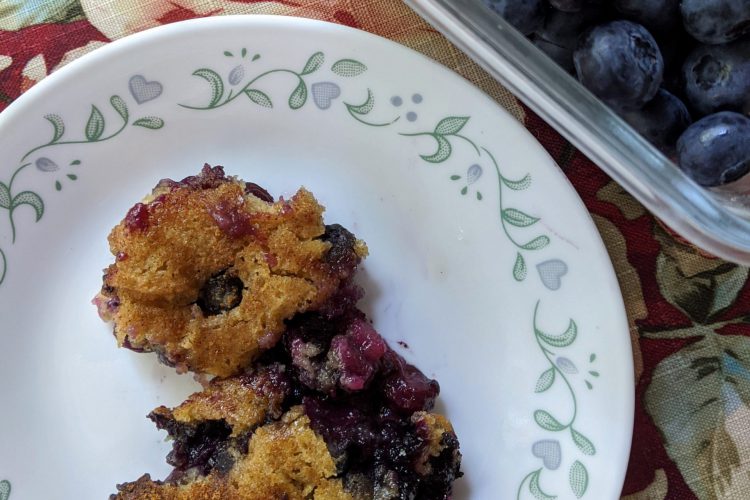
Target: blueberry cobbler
[[207, 269], [308, 401]]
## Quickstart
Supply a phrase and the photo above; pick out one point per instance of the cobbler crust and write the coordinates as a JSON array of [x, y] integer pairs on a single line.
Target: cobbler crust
[[285, 459], [243, 402], [278, 457], [211, 228]]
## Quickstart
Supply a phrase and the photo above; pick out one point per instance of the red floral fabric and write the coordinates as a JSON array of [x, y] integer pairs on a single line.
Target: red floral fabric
[[689, 313]]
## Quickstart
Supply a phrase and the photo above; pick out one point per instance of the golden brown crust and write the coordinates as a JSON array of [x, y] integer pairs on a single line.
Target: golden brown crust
[[434, 426], [285, 460], [188, 236], [242, 402]]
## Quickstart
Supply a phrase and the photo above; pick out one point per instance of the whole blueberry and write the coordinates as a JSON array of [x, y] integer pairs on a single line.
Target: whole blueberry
[[654, 14], [716, 21], [620, 63], [661, 120], [717, 77], [558, 35], [675, 48], [716, 149], [558, 53], [525, 15], [568, 5]]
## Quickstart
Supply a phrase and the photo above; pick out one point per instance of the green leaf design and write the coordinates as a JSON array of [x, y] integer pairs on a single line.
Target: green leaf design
[[564, 340], [72, 177], [698, 398], [95, 125], [348, 68], [518, 218], [547, 421], [58, 186], [244, 52], [464, 190], [75, 162], [578, 478], [583, 443], [518, 185], [4, 269], [546, 379], [442, 153], [259, 98], [29, 198], [151, 122], [57, 124], [365, 107], [316, 60], [256, 57], [455, 177], [120, 106], [4, 196], [479, 196], [537, 243], [299, 96], [4, 484], [592, 358], [451, 125], [216, 83], [519, 268], [536, 490], [228, 54]]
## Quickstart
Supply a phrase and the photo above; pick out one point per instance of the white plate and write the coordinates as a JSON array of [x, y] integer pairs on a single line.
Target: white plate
[[483, 259]]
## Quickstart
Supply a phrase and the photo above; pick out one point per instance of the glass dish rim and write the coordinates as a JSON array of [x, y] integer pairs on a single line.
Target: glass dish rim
[[694, 212]]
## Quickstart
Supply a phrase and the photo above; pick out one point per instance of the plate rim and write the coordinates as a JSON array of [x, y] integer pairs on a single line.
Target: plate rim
[[130, 42]]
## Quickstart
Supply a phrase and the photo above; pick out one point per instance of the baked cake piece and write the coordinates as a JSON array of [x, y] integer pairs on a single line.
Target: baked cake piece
[[207, 269], [356, 425]]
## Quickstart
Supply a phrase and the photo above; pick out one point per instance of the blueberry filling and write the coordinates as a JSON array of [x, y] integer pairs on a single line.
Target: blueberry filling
[[360, 397], [341, 256], [201, 447], [221, 293], [209, 178], [257, 191], [137, 218], [232, 219]]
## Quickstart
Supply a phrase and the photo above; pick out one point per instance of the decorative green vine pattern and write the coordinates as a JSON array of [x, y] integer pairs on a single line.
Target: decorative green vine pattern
[[534, 487], [450, 128], [298, 97], [357, 111], [94, 131], [447, 130], [559, 369]]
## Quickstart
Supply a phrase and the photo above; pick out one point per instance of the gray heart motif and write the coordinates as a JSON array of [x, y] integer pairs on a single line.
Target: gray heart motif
[[551, 273], [325, 92], [143, 90], [4, 489], [46, 165], [549, 451]]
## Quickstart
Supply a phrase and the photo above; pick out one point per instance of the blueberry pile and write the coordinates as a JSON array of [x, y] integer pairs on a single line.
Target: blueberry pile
[[678, 71]]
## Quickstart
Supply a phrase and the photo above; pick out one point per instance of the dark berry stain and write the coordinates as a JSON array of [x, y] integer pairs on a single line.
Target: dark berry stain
[[137, 218], [341, 255], [232, 219], [222, 292], [258, 192]]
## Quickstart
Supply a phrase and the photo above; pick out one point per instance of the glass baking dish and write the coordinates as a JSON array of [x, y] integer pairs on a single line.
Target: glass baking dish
[[715, 220]]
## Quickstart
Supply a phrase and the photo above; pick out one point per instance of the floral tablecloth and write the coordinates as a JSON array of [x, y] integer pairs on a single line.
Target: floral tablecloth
[[689, 313]]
